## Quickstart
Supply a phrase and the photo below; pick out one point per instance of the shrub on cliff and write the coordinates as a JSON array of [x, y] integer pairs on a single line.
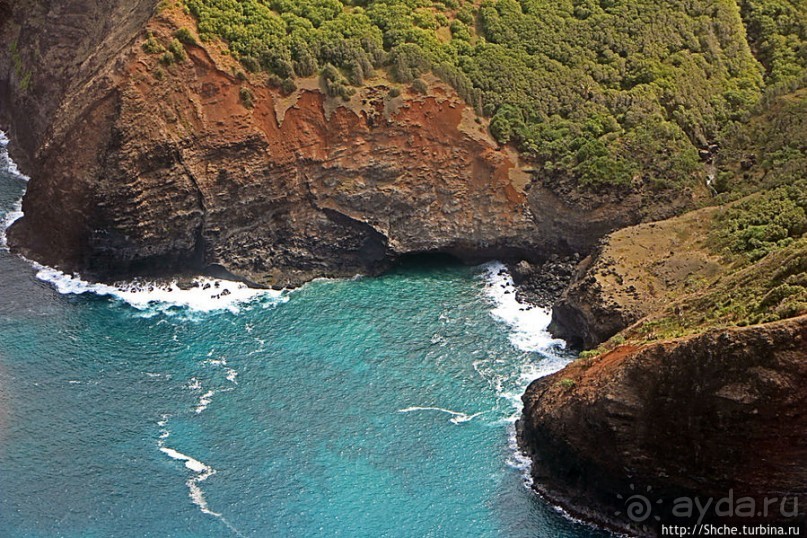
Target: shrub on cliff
[[152, 46], [247, 97], [185, 36], [765, 222], [177, 50]]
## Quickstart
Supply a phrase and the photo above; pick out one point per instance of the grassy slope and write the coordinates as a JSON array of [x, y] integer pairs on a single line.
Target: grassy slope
[[758, 234], [759, 229]]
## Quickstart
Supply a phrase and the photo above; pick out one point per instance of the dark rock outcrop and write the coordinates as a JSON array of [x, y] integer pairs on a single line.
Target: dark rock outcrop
[[543, 284], [709, 415], [632, 273]]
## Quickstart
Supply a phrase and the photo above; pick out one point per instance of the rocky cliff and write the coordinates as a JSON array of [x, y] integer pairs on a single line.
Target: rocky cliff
[[634, 272], [692, 386], [699, 416], [140, 165]]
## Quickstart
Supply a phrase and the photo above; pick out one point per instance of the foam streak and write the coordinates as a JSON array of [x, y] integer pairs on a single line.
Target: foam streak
[[201, 473], [205, 295], [457, 417]]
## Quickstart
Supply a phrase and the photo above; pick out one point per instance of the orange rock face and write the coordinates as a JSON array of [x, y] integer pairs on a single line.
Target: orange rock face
[[159, 169], [144, 168]]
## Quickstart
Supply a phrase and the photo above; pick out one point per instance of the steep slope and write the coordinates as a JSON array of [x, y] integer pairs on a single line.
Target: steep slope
[[283, 141], [155, 157], [704, 416], [738, 262]]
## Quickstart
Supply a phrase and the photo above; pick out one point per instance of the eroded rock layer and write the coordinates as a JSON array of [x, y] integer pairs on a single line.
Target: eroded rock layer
[[140, 167]]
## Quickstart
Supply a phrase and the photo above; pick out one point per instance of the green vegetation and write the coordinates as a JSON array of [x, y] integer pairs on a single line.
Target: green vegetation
[[770, 149], [185, 36], [177, 50], [589, 353], [173, 52], [777, 29], [419, 86], [246, 96], [762, 234], [152, 46], [567, 383], [23, 75], [605, 93], [763, 223], [773, 288]]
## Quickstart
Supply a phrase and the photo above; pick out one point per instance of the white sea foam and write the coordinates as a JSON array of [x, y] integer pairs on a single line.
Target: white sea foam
[[457, 417], [13, 214], [528, 332], [206, 294], [192, 464], [7, 220], [201, 472], [544, 366], [549, 364], [527, 323], [204, 401], [6, 161]]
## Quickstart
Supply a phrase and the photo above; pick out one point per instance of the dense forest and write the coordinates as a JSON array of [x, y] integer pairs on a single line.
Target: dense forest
[[607, 93]]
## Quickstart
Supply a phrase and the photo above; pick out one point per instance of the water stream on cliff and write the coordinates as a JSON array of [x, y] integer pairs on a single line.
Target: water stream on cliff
[[366, 407]]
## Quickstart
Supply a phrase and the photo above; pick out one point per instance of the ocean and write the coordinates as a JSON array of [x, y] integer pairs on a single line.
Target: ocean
[[365, 407]]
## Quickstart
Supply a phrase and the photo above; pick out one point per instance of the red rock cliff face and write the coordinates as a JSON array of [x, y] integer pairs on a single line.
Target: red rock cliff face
[[705, 415], [141, 168]]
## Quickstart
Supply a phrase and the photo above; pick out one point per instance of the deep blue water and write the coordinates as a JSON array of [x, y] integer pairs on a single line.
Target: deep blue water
[[306, 414]]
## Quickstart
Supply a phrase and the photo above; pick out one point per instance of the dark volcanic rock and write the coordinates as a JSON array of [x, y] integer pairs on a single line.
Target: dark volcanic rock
[[706, 415], [542, 284]]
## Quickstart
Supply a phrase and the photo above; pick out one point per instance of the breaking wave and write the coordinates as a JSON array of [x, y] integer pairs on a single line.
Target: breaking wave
[[203, 294], [544, 355]]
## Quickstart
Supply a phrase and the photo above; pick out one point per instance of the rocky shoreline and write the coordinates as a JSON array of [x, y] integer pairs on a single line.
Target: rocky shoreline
[[695, 416], [701, 416], [543, 284]]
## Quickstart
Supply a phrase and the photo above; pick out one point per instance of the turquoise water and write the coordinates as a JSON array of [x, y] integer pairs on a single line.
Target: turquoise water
[[369, 407]]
